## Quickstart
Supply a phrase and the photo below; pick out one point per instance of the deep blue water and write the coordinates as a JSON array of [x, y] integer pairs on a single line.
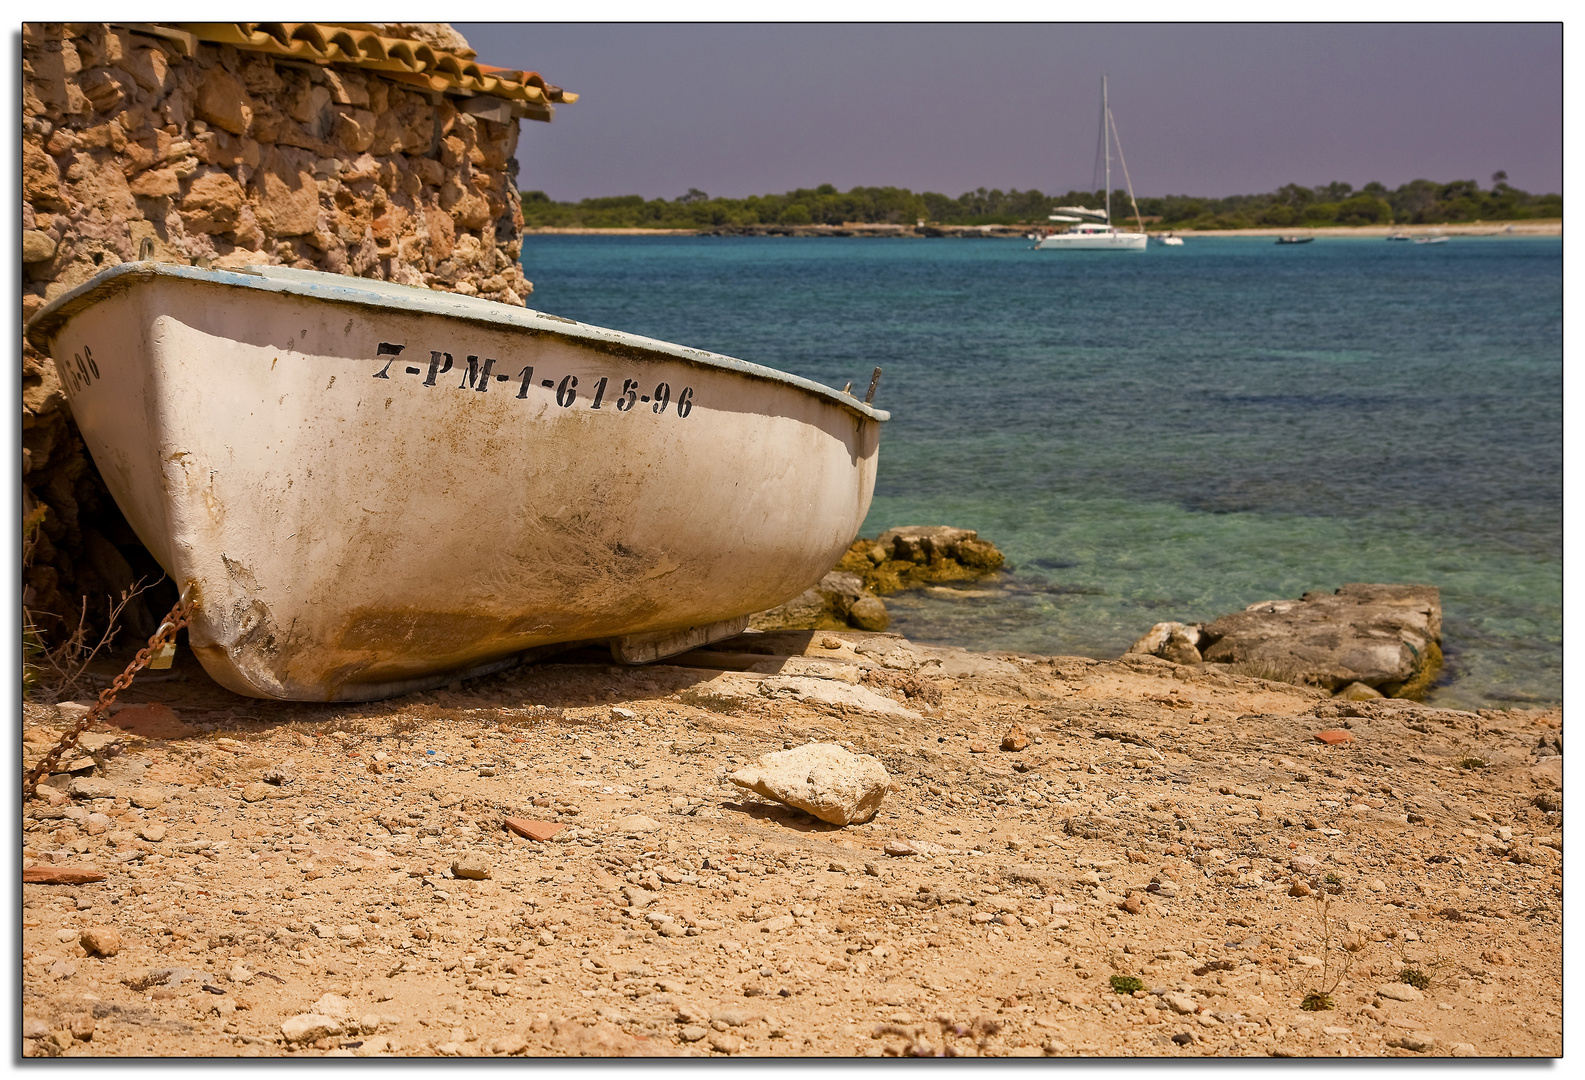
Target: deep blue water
[[1167, 435]]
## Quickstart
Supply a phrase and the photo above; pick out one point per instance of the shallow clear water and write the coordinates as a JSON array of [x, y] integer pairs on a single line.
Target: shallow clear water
[[1167, 435]]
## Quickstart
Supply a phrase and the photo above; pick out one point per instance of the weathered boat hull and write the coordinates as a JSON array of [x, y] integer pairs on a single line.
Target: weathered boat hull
[[370, 489]]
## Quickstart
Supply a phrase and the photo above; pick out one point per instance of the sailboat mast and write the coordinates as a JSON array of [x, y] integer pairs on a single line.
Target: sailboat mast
[[1106, 136]]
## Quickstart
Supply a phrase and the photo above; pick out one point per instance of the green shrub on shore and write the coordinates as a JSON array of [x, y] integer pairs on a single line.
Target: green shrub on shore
[[1419, 202]]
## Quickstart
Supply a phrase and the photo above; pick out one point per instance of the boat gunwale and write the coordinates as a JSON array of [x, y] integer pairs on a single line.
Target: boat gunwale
[[343, 289]]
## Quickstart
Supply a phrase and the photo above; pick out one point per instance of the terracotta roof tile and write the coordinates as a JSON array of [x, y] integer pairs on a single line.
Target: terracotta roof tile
[[406, 61]]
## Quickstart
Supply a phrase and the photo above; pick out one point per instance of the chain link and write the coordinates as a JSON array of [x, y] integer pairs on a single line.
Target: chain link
[[165, 635]]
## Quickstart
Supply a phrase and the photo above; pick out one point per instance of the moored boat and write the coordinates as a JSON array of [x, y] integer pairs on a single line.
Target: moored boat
[[1092, 236], [1092, 230], [368, 489]]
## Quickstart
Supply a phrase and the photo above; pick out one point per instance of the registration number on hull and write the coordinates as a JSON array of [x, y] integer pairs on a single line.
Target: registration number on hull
[[478, 375]]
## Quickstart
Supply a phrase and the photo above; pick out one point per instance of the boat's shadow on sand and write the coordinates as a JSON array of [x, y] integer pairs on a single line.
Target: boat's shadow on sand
[[510, 701]]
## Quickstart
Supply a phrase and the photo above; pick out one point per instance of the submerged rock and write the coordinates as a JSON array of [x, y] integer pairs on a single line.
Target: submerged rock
[[913, 556], [917, 555], [822, 779]]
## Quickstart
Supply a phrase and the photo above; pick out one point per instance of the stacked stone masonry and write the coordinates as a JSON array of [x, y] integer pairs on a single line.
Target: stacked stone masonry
[[225, 158]]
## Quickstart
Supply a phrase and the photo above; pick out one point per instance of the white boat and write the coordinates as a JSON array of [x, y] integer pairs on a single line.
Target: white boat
[[368, 489], [1171, 240], [1431, 238], [1093, 230]]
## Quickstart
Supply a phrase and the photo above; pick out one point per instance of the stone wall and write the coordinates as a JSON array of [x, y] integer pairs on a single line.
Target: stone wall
[[226, 157]]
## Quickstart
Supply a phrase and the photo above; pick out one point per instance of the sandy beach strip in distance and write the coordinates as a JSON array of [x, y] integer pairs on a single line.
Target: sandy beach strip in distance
[[579, 231], [1539, 227]]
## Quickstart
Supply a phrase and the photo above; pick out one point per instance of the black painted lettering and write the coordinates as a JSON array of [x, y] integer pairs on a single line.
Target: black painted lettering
[[435, 367], [386, 349], [685, 402], [567, 392], [89, 353], [527, 375], [599, 392], [476, 377], [629, 395]]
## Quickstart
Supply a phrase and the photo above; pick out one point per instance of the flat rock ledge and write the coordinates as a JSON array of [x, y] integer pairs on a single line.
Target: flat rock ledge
[[1359, 642]]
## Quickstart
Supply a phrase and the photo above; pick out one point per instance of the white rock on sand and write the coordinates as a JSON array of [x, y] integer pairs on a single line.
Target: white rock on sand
[[307, 1027], [821, 778]]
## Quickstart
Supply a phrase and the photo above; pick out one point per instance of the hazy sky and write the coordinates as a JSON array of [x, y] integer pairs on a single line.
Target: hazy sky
[[740, 109]]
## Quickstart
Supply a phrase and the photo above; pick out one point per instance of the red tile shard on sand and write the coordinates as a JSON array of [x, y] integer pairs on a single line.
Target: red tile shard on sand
[[534, 830]]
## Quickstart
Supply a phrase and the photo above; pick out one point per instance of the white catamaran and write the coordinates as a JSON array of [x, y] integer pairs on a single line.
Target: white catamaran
[[1092, 230]]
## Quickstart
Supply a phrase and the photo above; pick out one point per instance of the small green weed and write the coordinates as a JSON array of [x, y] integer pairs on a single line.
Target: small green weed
[[1318, 1001], [1415, 978], [1126, 984], [1471, 763]]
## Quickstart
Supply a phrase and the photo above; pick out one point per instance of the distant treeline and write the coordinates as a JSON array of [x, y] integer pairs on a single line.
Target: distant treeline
[[1419, 202]]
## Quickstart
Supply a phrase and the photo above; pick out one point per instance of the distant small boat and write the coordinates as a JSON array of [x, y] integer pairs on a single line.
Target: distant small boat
[[1171, 240], [1399, 236], [1432, 238], [1294, 239]]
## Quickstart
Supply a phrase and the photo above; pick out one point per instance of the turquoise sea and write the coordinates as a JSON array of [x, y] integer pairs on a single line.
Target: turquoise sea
[[1167, 435]]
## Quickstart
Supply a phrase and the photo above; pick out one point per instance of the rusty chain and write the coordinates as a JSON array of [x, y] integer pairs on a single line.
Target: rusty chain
[[165, 635]]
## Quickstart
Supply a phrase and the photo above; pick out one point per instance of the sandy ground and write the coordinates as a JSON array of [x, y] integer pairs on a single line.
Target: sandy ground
[[268, 860]]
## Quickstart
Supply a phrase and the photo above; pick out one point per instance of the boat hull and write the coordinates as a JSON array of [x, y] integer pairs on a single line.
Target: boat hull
[[365, 500], [1096, 242]]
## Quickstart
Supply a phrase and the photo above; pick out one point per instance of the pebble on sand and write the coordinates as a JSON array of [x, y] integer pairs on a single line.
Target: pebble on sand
[[1015, 740], [309, 1027], [471, 866], [1399, 992], [637, 823], [101, 941]]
